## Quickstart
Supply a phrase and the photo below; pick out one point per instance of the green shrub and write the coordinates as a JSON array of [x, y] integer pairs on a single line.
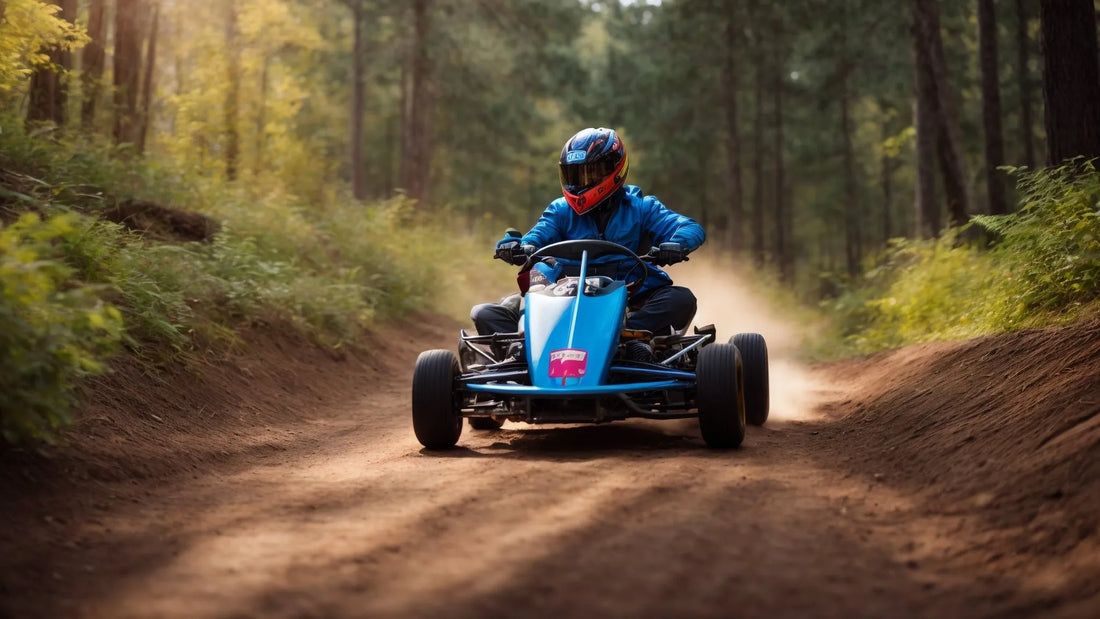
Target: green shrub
[[1053, 242], [52, 329], [1043, 266]]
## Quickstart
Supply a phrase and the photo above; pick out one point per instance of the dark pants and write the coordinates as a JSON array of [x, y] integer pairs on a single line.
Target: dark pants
[[664, 309]]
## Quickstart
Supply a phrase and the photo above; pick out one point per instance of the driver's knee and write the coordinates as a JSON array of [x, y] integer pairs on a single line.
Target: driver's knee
[[682, 306], [492, 318]]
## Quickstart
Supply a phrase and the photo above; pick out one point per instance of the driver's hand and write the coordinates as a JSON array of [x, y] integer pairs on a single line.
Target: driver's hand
[[505, 249], [512, 252], [668, 253]]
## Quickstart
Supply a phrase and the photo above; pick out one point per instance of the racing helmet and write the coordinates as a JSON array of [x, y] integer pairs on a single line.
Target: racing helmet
[[592, 166]]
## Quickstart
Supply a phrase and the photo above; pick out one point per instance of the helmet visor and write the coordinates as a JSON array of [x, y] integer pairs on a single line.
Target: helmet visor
[[580, 176]]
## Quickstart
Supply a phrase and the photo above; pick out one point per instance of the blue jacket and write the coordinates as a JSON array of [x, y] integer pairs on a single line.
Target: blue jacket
[[639, 223]]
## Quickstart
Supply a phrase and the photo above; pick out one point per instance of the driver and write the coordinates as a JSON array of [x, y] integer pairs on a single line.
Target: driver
[[596, 204]]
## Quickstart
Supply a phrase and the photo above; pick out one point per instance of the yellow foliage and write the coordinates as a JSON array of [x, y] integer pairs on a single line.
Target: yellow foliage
[[28, 29]]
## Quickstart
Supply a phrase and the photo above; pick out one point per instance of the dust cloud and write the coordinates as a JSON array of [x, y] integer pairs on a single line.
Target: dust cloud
[[729, 302]]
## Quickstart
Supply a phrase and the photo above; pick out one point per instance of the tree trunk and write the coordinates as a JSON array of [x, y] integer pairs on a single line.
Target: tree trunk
[[48, 95], [358, 175], [991, 107], [926, 21], [924, 107], [853, 244], [784, 255], [735, 233], [759, 248], [233, 92], [259, 144], [418, 126], [888, 164], [127, 68], [1024, 83], [92, 62], [147, 80], [1071, 79]]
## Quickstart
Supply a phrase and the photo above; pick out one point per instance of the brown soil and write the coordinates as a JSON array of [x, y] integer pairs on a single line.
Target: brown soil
[[943, 480]]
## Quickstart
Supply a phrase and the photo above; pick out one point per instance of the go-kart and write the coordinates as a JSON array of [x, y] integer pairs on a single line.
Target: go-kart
[[574, 362]]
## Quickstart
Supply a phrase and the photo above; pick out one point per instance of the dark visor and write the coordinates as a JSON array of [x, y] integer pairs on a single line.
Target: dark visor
[[585, 175]]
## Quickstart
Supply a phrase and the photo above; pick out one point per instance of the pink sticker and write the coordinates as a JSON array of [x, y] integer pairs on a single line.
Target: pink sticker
[[568, 363]]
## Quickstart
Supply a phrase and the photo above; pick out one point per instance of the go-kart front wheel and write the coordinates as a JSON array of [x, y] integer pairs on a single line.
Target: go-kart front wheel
[[719, 395], [754, 360], [435, 404]]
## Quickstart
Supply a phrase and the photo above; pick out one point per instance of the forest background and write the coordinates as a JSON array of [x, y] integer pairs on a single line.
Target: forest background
[[173, 171]]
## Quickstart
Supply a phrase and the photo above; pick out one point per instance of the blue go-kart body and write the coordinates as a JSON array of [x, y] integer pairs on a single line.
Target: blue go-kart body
[[573, 362]]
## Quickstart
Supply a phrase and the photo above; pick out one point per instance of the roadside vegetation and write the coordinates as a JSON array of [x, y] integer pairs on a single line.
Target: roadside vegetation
[[1037, 266], [76, 288]]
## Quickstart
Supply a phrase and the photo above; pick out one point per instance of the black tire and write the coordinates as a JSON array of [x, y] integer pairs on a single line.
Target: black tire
[[754, 361], [719, 396], [435, 404], [485, 423]]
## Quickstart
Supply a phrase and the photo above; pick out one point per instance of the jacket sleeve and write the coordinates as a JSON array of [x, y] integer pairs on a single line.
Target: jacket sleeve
[[550, 228], [667, 226]]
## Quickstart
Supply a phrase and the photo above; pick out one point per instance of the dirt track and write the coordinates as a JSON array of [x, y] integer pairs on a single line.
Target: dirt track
[[945, 480]]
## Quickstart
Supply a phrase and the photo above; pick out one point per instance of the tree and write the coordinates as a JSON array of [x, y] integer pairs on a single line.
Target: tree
[[49, 93], [991, 106], [233, 91], [127, 68], [358, 174], [926, 30], [735, 227], [147, 80], [416, 150], [92, 62], [1071, 79], [1024, 82]]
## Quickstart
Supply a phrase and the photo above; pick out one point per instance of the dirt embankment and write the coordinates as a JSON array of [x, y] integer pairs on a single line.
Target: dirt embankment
[[957, 479]]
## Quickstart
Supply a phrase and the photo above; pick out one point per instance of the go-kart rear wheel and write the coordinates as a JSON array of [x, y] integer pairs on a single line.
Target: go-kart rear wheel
[[754, 360], [435, 404], [719, 396], [485, 423]]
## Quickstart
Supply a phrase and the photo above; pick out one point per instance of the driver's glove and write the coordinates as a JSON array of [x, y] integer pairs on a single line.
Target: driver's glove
[[512, 252], [505, 248], [668, 253]]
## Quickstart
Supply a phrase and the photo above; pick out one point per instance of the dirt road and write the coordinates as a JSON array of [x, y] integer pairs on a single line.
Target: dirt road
[[300, 491]]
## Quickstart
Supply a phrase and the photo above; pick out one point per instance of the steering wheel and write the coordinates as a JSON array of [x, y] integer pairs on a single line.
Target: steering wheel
[[573, 250]]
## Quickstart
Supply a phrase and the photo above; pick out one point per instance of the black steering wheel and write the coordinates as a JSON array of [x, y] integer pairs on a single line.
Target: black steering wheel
[[573, 250]]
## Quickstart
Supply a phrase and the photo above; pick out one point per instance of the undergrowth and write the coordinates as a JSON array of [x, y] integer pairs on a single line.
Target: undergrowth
[[1042, 266], [74, 287]]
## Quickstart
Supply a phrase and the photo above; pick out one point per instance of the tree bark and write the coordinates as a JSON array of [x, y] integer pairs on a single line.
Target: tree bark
[[233, 92], [49, 95], [991, 107], [926, 21], [735, 233], [127, 68], [92, 61], [147, 79], [784, 255], [759, 246], [853, 245], [924, 109], [888, 164], [1071, 79], [1024, 83], [416, 154], [358, 174]]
